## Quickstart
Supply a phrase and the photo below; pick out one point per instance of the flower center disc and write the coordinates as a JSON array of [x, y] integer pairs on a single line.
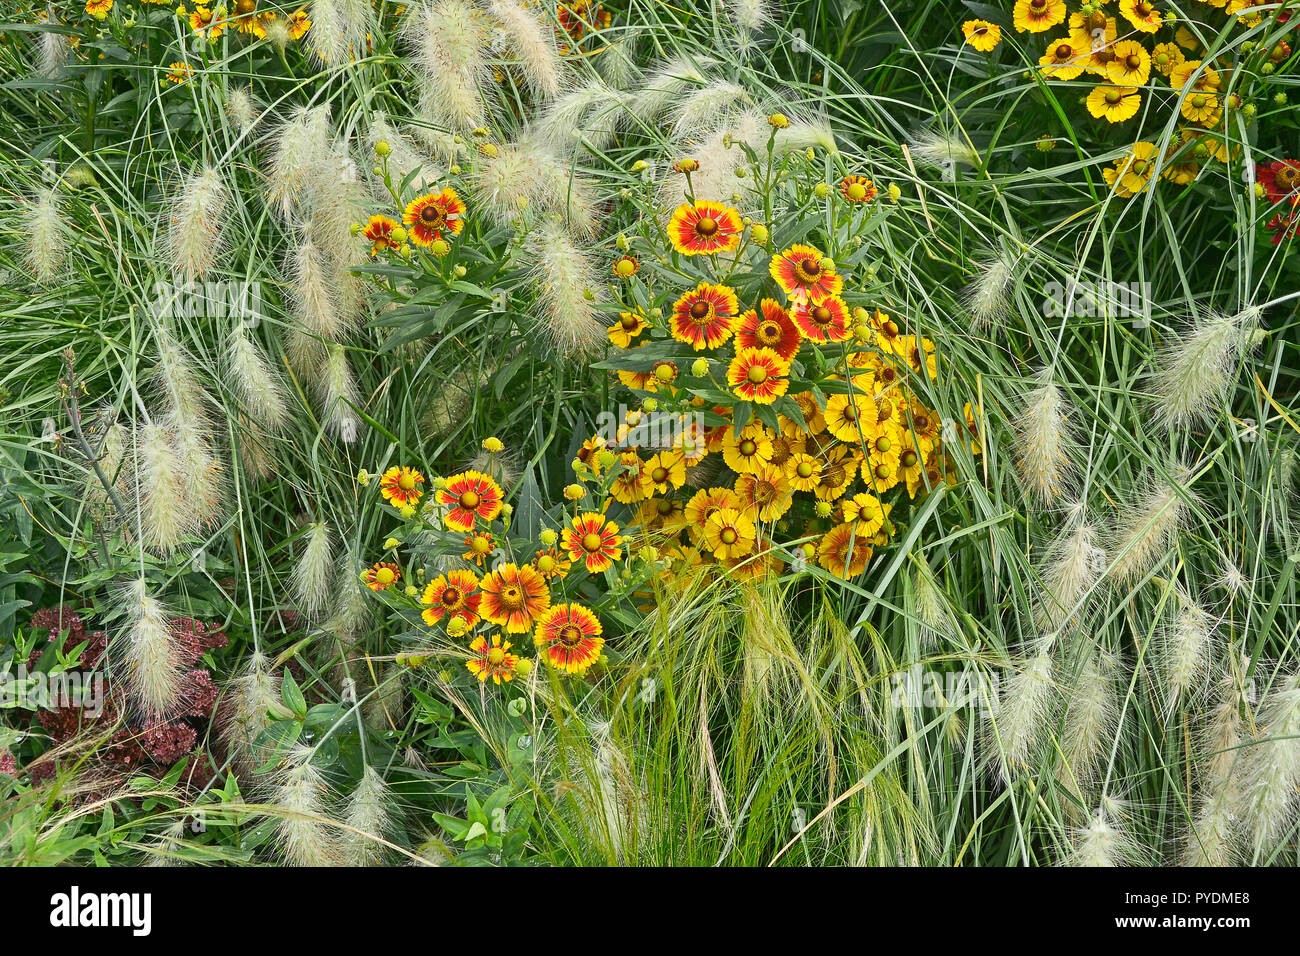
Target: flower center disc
[[570, 634], [384, 576], [699, 310], [728, 536], [496, 655], [591, 542], [469, 500], [706, 226], [757, 375], [451, 597], [748, 448], [406, 482]]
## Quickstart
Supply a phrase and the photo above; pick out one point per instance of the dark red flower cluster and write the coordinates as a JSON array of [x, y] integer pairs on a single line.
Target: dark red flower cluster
[[58, 620], [158, 742]]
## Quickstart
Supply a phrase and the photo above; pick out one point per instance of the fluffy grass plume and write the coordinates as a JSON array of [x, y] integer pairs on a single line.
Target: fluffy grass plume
[[1184, 648], [1105, 840], [1091, 716], [404, 158], [257, 384], [1196, 372], [1270, 770], [307, 836], [243, 109], [1043, 441], [147, 655], [1072, 568], [532, 41], [368, 810], [46, 238], [336, 389], [447, 40], [1145, 527], [249, 699], [315, 295], [199, 208], [163, 517], [988, 299], [565, 277], [1018, 727], [296, 153], [311, 579]]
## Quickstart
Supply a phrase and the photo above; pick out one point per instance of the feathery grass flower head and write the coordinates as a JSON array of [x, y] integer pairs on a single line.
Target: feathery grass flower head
[[45, 247], [150, 657], [311, 579], [1195, 374], [1044, 441]]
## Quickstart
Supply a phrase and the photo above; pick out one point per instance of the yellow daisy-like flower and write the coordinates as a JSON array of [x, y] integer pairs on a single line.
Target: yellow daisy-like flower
[[204, 22], [1064, 58], [865, 512], [666, 470], [981, 34], [99, 9], [843, 553], [1130, 63], [1131, 174], [1202, 108], [179, 73], [1165, 57], [702, 504], [758, 375], [382, 576], [1035, 16], [1115, 104], [804, 472], [748, 451], [627, 328], [729, 533], [401, 486], [632, 483], [1142, 14], [767, 494]]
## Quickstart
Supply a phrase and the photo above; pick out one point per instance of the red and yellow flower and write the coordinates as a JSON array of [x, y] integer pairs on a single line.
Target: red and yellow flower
[[382, 576], [469, 495], [568, 636], [772, 329], [759, 375], [704, 227], [857, 189], [452, 595], [824, 321], [767, 494], [401, 486], [593, 541], [478, 546], [379, 230], [842, 552], [704, 317], [805, 275], [514, 597], [492, 659], [429, 217]]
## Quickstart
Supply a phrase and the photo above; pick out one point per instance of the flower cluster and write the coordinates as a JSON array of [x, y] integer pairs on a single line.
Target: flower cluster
[[499, 586], [776, 418]]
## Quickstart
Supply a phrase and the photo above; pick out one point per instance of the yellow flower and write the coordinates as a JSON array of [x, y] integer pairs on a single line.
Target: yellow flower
[[1130, 175], [1115, 104], [493, 445], [1064, 58], [1142, 14], [1037, 15], [1130, 63], [99, 8], [1165, 57], [981, 34]]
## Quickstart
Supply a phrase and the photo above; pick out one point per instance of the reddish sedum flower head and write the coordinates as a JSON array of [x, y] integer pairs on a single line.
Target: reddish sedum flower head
[[704, 227], [469, 495], [568, 636]]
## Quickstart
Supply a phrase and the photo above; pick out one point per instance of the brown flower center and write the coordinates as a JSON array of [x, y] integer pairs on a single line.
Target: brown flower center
[[433, 216], [821, 315], [450, 597], [570, 635], [706, 227], [699, 310]]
